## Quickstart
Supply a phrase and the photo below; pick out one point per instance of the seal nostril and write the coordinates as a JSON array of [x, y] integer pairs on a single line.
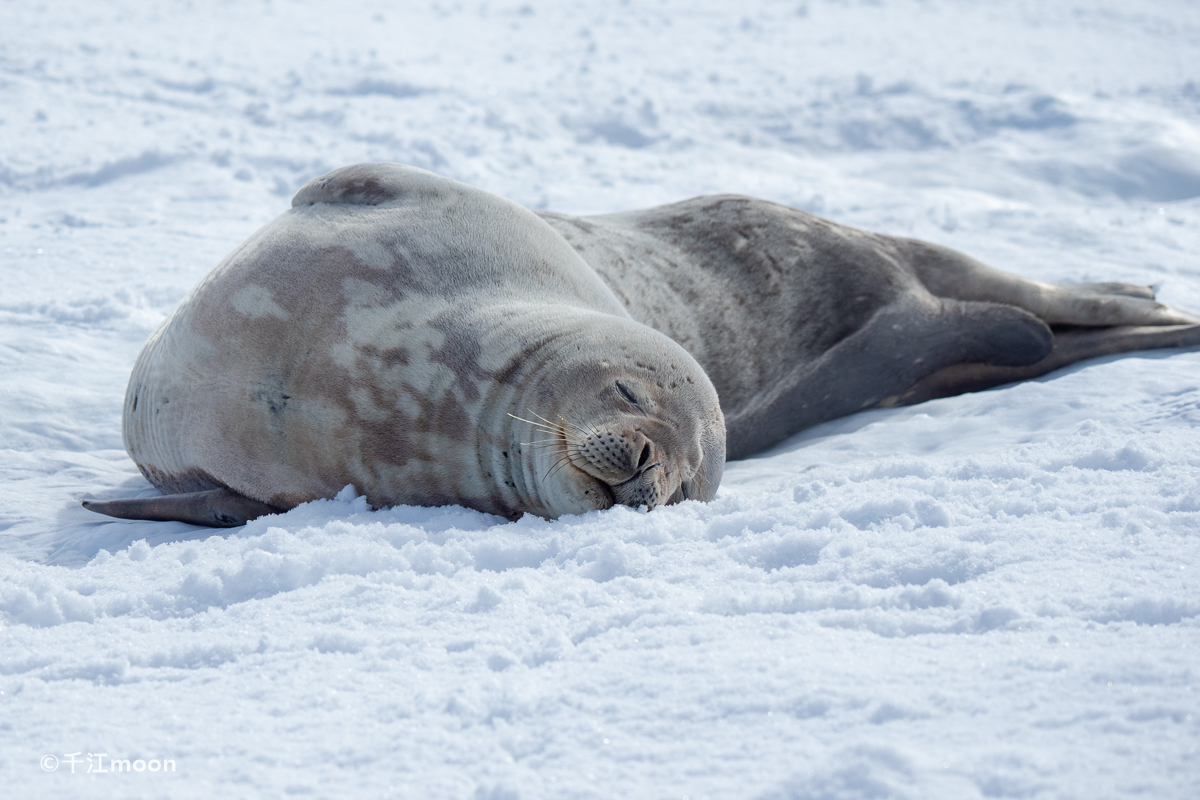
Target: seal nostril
[[644, 457]]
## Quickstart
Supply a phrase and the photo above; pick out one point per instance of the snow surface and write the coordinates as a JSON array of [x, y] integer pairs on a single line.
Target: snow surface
[[993, 595]]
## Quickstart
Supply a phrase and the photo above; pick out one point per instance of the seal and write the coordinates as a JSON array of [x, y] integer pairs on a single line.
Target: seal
[[432, 343]]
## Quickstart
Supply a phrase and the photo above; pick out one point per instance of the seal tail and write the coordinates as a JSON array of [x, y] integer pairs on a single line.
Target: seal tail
[[215, 508]]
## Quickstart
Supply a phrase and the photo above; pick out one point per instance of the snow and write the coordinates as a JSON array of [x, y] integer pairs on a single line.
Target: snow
[[993, 595]]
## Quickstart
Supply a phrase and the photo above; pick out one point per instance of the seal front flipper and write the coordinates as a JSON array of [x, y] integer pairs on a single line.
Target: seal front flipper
[[215, 508], [899, 346]]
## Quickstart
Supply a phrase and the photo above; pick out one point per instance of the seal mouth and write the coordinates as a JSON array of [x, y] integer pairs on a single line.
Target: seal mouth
[[627, 463], [637, 475], [640, 490], [607, 490]]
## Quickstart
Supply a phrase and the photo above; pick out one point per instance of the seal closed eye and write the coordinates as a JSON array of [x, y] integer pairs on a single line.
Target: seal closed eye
[[628, 395], [431, 343]]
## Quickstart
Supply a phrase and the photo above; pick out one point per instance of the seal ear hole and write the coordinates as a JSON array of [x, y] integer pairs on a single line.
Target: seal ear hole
[[644, 457], [627, 394]]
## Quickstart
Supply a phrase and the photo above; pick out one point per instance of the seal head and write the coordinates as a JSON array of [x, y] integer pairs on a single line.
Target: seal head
[[641, 425]]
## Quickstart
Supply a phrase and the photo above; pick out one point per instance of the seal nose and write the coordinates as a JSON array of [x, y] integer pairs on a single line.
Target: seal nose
[[645, 488], [616, 456]]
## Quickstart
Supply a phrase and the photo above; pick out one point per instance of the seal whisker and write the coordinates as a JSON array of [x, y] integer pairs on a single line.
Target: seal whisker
[[593, 432], [537, 425], [562, 462], [545, 423], [559, 425], [548, 444], [563, 431], [539, 416]]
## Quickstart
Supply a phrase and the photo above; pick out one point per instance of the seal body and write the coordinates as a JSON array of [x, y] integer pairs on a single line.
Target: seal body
[[431, 344]]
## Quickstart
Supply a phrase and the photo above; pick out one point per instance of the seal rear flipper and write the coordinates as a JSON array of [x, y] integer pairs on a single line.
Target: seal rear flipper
[[1070, 346], [950, 274], [215, 508]]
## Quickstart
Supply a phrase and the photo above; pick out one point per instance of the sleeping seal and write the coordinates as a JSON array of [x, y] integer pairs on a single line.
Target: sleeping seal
[[431, 343]]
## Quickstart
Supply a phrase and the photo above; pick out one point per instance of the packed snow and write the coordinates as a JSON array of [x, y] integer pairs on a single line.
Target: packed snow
[[993, 595]]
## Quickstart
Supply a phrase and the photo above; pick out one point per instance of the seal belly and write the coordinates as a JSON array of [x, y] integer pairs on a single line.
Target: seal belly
[[290, 409], [203, 413], [152, 425]]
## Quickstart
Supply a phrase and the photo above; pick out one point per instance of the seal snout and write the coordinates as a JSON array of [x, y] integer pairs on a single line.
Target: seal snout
[[627, 462]]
